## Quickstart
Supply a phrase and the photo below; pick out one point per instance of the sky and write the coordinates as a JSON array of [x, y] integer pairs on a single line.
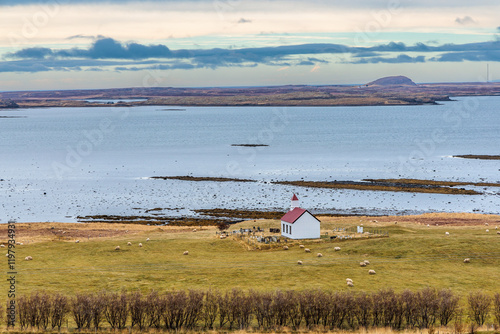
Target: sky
[[85, 44]]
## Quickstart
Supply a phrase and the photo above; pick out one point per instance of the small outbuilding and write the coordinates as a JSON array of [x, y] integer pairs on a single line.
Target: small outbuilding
[[299, 223]]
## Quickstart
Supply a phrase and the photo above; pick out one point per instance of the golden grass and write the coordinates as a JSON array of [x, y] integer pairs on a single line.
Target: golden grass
[[413, 256]]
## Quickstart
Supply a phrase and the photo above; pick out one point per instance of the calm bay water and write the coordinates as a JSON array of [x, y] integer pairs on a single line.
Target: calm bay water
[[59, 163]]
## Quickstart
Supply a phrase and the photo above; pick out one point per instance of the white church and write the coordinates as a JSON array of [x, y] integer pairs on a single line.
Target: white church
[[299, 223]]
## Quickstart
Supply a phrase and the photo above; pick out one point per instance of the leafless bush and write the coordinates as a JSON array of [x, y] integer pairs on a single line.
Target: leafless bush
[[240, 310], [428, 307], [155, 307], [362, 310], [22, 311], [59, 310], [116, 309], [263, 308], [448, 306], [176, 302], [496, 308], [138, 311], [339, 307], [210, 309], [410, 308], [223, 302], [479, 306], [281, 305], [294, 312], [81, 309], [97, 310], [194, 308]]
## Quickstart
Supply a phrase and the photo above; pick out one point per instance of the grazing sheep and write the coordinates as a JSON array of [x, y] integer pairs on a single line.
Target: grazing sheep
[[498, 232], [223, 236], [371, 272], [301, 246], [185, 253], [28, 258], [307, 250], [129, 243], [447, 233], [2, 245], [487, 230], [7, 255], [350, 284], [366, 262], [147, 239], [18, 243], [117, 248], [299, 263], [77, 241], [496, 227], [194, 230], [319, 255], [140, 245], [348, 280], [486, 224], [467, 260], [362, 264], [337, 249], [285, 247], [428, 225]]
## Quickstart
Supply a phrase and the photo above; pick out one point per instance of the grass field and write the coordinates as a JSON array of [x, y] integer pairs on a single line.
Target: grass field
[[413, 256]]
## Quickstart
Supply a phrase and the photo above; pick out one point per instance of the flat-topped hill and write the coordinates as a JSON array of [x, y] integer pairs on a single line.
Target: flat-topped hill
[[399, 80]]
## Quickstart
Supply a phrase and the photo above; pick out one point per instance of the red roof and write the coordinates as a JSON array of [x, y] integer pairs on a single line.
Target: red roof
[[294, 198]]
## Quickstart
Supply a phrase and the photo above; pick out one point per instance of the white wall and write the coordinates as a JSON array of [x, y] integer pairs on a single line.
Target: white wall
[[306, 227]]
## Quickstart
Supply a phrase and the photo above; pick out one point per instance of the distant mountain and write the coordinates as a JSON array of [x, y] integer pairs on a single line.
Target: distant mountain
[[393, 81]]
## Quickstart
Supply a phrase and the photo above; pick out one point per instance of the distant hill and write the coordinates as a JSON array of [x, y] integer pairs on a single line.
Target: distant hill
[[393, 81]]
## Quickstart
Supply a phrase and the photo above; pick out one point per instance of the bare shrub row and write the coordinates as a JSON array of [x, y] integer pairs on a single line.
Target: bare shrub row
[[237, 309]]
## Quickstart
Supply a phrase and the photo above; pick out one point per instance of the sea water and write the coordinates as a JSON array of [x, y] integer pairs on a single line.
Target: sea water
[[60, 163]]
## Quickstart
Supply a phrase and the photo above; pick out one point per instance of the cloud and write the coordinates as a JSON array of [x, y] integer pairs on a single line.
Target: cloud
[[400, 59], [465, 20], [242, 20], [106, 53]]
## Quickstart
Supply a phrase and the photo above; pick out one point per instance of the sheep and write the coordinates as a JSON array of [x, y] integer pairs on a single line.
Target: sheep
[[362, 264], [371, 272], [498, 232], [2, 245], [140, 245], [185, 253], [223, 236], [285, 247], [307, 250], [366, 262], [77, 241], [194, 230], [117, 248], [129, 243], [299, 263], [348, 280], [319, 255], [447, 233], [28, 258], [7, 255], [147, 239], [350, 284], [337, 249], [486, 224], [487, 231], [302, 246], [467, 260]]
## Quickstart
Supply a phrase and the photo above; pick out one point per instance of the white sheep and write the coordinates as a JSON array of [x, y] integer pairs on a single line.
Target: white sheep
[[2, 245], [285, 247], [28, 258], [302, 246], [498, 232], [366, 262], [371, 272], [467, 260], [147, 239], [7, 255], [319, 255], [350, 284], [140, 245], [362, 264], [337, 249], [194, 230], [348, 280], [117, 248], [447, 233], [77, 241], [486, 224], [129, 243], [185, 253], [299, 262], [307, 250]]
